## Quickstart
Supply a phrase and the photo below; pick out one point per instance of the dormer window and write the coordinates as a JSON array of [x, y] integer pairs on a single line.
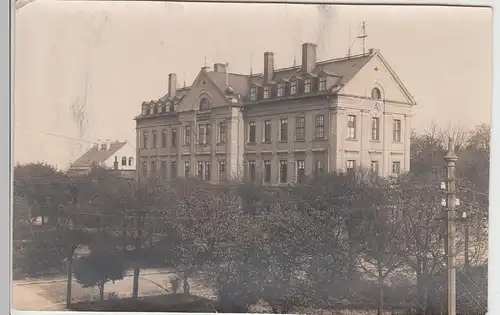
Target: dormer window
[[151, 109], [322, 84], [281, 89], [253, 94], [204, 104], [307, 86], [160, 108], [376, 94], [293, 87], [266, 92], [144, 109], [171, 107]]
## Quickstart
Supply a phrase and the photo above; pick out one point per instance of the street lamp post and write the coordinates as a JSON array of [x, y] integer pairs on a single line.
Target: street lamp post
[[450, 160]]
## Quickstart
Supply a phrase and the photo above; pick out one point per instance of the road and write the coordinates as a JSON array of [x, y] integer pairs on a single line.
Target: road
[[50, 295]]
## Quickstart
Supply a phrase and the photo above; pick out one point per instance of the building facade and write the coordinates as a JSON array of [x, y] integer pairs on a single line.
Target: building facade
[[280, 126]]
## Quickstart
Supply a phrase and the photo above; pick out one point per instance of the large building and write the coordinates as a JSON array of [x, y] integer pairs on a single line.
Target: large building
[[279, 126]]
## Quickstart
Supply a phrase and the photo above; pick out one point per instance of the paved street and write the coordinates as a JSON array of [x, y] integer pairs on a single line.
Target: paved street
[[29, 295]]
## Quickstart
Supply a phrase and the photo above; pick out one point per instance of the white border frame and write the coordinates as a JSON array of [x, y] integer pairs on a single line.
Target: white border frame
[[7, 11]]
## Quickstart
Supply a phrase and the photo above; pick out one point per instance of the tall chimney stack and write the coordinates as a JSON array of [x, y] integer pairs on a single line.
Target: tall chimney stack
[[268, 66], [172, 85], [308, 57]]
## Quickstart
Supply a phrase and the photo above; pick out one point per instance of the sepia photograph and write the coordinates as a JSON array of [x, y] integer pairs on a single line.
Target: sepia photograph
[[277, 158]]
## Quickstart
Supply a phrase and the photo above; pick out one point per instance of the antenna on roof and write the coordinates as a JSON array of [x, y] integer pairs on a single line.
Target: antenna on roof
[[349, 48], [251, 63], [205, 61], [294, 59], [363, 36], [185, 77], [227, 74]]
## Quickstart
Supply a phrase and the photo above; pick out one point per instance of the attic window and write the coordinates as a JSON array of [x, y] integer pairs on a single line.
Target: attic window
[[151, 109], [376, 94], [266, 92], [160, 108], [307, 86], [204, 104], [293, 87], [144, 109], [281, 89], [253, 93], [322, 84]]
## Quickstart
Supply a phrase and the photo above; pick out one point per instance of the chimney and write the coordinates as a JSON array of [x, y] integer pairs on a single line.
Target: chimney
[[268, 66], [220, 67], [108, 144], [308, 57], [172, 85]]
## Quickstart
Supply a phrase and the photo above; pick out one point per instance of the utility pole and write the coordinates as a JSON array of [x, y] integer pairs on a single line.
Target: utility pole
[[450, 160]]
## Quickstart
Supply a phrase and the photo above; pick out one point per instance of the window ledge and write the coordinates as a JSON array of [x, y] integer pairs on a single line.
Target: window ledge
[[283, 141], [300, 140], [376, 141], [397, 142], [266, 142], [352, 139], [251, 142]]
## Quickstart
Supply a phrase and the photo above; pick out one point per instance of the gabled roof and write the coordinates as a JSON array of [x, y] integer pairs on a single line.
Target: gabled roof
[[94, 155]]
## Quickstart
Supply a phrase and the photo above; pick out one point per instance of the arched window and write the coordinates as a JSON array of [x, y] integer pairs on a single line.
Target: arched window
[[204, 104], [130, 161], [376, 94], [124, 161]]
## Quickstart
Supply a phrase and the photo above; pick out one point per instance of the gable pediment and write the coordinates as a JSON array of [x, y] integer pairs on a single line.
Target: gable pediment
[[202, 87], [377, 73]]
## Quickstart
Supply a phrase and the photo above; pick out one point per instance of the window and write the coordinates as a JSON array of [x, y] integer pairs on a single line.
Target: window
[[144, 109], [319, 127], [283, 171], [251, 132], [251, 170], [201, 134], [267, 171], [318, 167], [207, 171], [396, 168], [322, 84], [124, 161], [375, 128], [374, 167], [186, 169], [163, 170], [222, 132], [284, 129], [173, 169], [300, 128], [293, 87], [351, 127], [267, 131], [301, 171], [154, 138], [266, 92], [208, 133], [350, 165], [130, 161], [151, 109], [307, 86], [281, 89], [200, 170], [376, 94], [397, 131], [164, 138], [174, 137], [253, 94], [144, 169], [153, 167], [103, 147], [145, 140], [222, 170], [187, 135], [204, 104]]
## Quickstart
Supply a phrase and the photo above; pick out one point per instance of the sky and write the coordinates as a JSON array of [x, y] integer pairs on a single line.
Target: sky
[[82, 69]]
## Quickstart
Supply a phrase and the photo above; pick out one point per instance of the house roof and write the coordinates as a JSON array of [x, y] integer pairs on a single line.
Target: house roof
[[344, 68], [94, 155]]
